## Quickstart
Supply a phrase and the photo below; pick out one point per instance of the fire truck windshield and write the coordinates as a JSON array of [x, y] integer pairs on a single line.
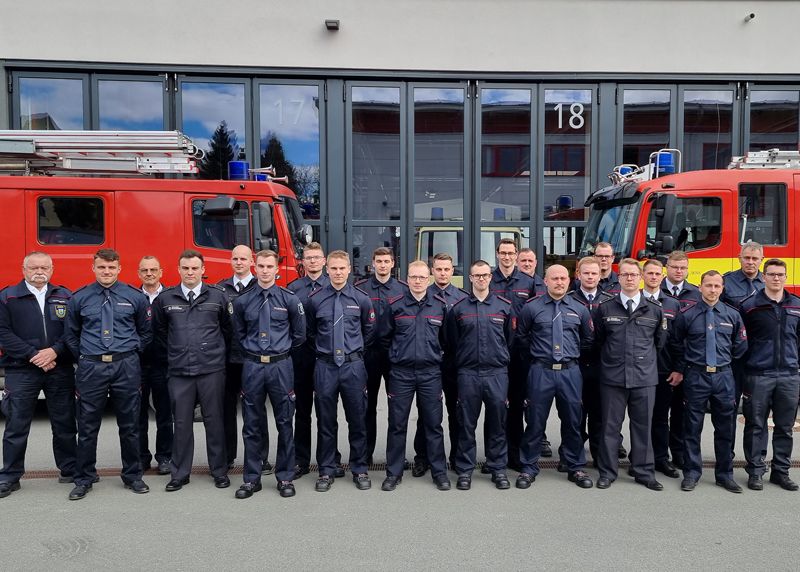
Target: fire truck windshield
[[612, 222]]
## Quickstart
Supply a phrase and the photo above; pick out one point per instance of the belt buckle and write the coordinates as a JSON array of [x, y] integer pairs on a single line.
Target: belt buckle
[[557, 367], [711, 369], [107, 358], [265, 359]]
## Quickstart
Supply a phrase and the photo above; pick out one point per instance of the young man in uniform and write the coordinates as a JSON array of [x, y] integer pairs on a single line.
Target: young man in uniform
[[675, 284]]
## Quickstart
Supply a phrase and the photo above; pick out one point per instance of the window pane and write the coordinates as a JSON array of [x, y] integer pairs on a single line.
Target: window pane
[[131, 105], [289, 139], [438, 154], [506, 154], [50, 103], [432, 240], [491, 236], [220, 231], [645, 124], [567, 152], [71, 220], [707, 128], [561, 245], [697, 224], [376, 153], [774, 120], [366, 239], [762, 213], [213, 116]]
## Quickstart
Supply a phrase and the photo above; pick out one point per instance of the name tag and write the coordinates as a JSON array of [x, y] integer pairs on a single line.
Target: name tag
[[279, 309], [124, 304], [498, 320], [614, 319], [352, 307]]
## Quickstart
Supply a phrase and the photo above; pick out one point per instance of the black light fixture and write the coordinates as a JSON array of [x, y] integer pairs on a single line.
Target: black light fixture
[[332, 25]]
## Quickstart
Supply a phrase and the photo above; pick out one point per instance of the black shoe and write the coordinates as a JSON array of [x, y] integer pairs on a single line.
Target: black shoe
[[163, 468], [79, 492], [730, 485], [442, 483], [222, 482], [323, 484], [562, 468], [622, 452], [300, 471], [176, 484], [524, 481], [464, 482], [390, 483], [362, 481], [139, 487], [8, 488], [782, 481], [266, 468], [651, 484], [547, 450], [603, 483], [755, 483], [338, 472], [286, 488], [581, 479], [668, 469], [64, 479], [420, 469], [485, 470], [246, 490], [688, 484], [500, 481]]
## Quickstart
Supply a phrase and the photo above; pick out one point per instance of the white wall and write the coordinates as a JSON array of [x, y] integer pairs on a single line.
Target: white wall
[[680, 36]]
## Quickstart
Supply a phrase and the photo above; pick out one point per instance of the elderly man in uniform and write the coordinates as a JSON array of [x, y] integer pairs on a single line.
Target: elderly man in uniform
[[479, 330], [411, 329], [630, 329], [269, 322], [341, 322], [35, 358], [108, 326], [193, 322], [555, 328], [708, 336], [772, 319], [526, 263]]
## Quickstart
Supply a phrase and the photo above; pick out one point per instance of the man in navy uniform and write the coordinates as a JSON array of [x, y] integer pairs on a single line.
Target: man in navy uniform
[[675, 284], [108, 326], [526, 263], [772, 319], [35, 358], [193, 322], [154, 381], [381, 287], [269, 321], [341, 322], [630, 330], [555, 328], [479, 330], [609, 281], [412, 330], [708, 336]]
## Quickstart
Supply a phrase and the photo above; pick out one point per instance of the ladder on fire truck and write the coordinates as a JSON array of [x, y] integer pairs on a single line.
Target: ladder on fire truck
[[110, 152], [770, 159]]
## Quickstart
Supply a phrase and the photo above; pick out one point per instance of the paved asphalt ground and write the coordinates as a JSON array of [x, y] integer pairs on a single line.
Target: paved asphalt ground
[[553, 525]]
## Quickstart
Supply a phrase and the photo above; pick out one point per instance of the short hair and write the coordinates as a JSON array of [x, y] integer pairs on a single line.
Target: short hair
[[478, 262], [677, 256], [506, 241], [266, 253], [190, 253], [603, 244], [586, 260], [526, 250], [107, 254], [709, 273], [751, 245], [149, 257], [33, 253], [775, 262], [340, 254], [653, 262], [631, 262], [382, 251], [442, 256], [418, 264], [312, 246]]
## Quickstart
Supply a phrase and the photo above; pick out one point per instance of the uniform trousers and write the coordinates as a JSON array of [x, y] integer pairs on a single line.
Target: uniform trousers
[[517, 391], [233, 391], [184, 392], [154, 382], [490, 388], [638, 401], [304, 362], [376, 361], [668, 425], [19, 405], [450, 391], [592, 418]]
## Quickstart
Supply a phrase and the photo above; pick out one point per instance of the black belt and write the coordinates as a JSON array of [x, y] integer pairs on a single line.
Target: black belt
[[258, 358], [556, 366], [355, 356], [709, 368], [108, 358]]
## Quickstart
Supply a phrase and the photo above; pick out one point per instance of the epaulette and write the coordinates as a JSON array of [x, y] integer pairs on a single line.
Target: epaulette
[[462, 291], [602, 293], [285, 289], [84, 287], [607, 300], [217, 286], [459, 302], [529, 300], [750, 295], [689, 304], [134, 288], [440, 298], [315, 292], [394, 299], [734, 308], [169, 288], [652, 300], [359, 282], [506, 300], [729, 273], [364, 292]]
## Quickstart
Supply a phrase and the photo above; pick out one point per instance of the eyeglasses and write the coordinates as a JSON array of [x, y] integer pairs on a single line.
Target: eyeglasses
[[418, 278], [604, 256], [683, 268], [775, 274], [501, 253], [629, 275], [480, 276]]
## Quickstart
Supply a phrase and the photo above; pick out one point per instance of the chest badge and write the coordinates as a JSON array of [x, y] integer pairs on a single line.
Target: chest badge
[[61, 311]]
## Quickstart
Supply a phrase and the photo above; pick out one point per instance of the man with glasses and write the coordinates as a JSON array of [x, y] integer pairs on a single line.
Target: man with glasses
[[630, 330], [675, 284], [480, 332], [609, 281], [772, 320]]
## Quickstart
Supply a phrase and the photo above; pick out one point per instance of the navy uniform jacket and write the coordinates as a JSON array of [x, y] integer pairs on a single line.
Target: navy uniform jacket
[[380, 294], [451, 294], [535, 328], [738, 287], [228, 285], [196, 336], [302, 288], [359, 319], [629, 345], [518, 287], [667, 355], [480, 333], [689, 335], [688, 295], [287, 320], [773, 331], [609, 284], [413, 331], [24, 330], [132, 327], [591, 355]]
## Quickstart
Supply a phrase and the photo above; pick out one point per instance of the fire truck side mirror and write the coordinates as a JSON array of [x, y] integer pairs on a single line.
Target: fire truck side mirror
[[221, 205], [265, 219]]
